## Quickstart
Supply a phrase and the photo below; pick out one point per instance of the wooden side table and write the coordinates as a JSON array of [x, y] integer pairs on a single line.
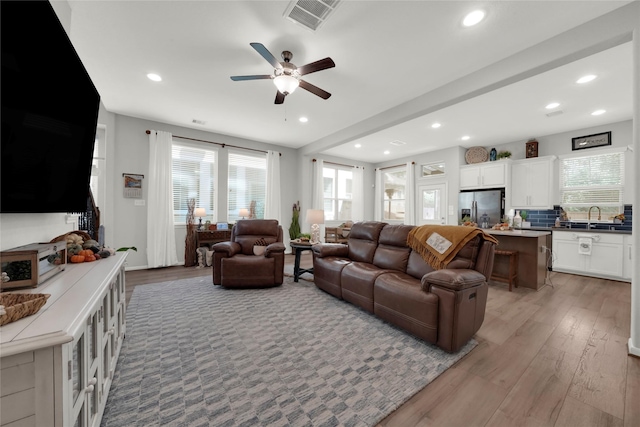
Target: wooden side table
[[298, 248], [209, 237]]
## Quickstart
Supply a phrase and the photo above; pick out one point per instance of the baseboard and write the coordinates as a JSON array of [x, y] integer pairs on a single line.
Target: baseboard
[[634, 351]]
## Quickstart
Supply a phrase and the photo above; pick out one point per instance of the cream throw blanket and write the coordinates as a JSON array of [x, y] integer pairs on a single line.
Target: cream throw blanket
[[439, 244]]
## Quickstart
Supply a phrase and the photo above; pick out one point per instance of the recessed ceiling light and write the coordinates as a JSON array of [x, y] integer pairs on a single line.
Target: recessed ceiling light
[[586, 79], [465, 138], [154, 77], [303, 120], [358, 145], [598, 112], [436, 125], [552, 105], [473, 18], [386, 152]]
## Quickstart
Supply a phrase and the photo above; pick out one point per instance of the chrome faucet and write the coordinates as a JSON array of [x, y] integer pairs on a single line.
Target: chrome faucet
[[589, 215]]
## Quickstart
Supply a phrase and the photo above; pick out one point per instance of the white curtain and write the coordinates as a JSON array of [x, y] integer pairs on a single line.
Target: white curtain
[[317, 193], [379, 191], [161, 238], [410, 195], [272, 200], [357, 203]]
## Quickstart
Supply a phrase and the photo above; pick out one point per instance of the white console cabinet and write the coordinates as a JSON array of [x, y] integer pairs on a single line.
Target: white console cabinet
[[57, 365], [484, 175], [606, 258]]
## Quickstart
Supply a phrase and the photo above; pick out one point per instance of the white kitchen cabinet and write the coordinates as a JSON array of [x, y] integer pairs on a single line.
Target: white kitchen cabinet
[[61, 360], [628, 258], [605, 259], [532, 183], [484, 175]]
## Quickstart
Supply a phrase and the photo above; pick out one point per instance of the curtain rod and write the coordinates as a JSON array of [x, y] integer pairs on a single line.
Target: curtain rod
[[340, 164], [148, 132], [395, 166]]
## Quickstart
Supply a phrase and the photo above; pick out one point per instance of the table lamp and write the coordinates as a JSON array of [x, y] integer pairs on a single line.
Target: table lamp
[[199, 213], [315, 217], [243, 212]]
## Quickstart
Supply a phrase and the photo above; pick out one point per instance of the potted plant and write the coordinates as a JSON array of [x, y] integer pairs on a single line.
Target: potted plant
[[503, 154], [524, 223], [294, 230], [259, 246]]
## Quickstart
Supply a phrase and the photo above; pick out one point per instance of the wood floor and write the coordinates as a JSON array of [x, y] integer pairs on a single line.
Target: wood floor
[[556, 357]]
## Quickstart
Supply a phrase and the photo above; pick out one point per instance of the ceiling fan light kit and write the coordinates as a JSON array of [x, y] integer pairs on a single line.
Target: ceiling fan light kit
[[286, 76]]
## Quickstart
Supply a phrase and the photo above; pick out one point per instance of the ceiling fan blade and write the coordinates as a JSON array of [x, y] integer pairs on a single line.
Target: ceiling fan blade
[[264, 52], [320, 65], [279, 97], [314, 89], [256, 77]]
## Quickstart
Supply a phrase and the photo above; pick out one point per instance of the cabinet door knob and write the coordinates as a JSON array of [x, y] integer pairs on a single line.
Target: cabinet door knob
[[93, 381], [89, 389]]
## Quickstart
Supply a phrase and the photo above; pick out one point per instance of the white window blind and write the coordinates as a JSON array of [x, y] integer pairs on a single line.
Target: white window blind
[[338, 193], [194, 177], [596, 180], [247, 184], [394, 183]]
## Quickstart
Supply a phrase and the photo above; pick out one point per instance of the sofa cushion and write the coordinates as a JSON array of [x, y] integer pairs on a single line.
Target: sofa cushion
[[399, 300], [417, 266], [392, 252], [357, 283], [363, 240], [248, 271], [327, 274]]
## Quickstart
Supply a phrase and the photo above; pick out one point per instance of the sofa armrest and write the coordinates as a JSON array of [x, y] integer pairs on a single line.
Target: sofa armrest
[[454, 279], [273, 249], [322, 250], [228, 249]]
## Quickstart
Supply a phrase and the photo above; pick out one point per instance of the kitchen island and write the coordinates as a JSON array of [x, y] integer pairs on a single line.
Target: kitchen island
[[532, 255]]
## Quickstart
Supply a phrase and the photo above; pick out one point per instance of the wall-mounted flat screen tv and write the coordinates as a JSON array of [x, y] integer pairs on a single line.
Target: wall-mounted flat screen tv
[[49, 114]]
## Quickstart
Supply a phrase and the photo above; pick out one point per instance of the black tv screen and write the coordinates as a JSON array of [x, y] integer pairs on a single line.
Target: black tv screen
[[49, 114]]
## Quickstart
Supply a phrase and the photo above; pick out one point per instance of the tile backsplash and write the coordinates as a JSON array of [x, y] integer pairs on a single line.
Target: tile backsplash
[[547, 218]]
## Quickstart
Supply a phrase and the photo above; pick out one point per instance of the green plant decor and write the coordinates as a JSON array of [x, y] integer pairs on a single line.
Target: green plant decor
[[294, 230], [524, 215], [124, 249], [503, 154]]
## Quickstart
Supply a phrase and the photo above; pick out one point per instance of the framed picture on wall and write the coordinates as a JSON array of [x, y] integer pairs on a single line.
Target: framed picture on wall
[[590, 141]]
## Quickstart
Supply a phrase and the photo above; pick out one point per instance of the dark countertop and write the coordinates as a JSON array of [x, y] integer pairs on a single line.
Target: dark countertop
[[582, 230]]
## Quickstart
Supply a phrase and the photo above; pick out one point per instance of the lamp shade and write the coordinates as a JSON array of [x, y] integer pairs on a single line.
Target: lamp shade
[[286, 84], [243, 212], [315, 216], [200, 212]]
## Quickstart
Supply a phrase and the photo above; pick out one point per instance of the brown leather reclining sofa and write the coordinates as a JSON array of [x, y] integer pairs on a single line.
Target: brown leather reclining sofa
[[378, 272]]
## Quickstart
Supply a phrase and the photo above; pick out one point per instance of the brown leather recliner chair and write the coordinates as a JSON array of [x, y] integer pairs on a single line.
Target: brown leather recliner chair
[[235, 265]]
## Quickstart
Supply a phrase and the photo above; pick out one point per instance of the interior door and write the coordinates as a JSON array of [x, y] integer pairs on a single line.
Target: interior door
[[432, 202]]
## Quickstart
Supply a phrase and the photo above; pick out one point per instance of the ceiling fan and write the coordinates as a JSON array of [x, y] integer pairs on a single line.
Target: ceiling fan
[[286, 76]]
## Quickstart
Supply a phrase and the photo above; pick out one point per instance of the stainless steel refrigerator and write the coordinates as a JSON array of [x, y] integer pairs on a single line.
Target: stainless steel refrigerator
[[484, 207]]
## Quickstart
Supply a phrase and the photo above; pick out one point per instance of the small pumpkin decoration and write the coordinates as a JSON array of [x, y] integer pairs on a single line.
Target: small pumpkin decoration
[[86, 253], [73, 249], [104, 253], [89, 258], [77, 258]]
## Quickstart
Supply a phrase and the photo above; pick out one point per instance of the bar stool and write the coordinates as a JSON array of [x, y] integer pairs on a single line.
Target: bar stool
[[512, 276]]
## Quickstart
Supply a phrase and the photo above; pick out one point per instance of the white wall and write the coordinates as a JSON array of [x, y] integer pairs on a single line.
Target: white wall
[[128, 224]]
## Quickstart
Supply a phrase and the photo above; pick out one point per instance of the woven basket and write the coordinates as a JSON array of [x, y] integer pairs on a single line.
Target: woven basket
[[85, 236], [18, 306]]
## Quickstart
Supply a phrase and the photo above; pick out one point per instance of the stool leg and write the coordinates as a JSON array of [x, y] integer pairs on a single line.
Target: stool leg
[[515, 270]]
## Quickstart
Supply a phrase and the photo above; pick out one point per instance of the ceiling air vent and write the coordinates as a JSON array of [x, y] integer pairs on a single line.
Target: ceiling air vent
[[397, 142], [198, 122], [554, 113], [310, 13]]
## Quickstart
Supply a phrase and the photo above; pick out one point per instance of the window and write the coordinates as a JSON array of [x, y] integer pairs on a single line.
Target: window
[[433, 169], [194, 177], [98, 169], [588, 181], [394, 182], [247, 185], [338, 194]]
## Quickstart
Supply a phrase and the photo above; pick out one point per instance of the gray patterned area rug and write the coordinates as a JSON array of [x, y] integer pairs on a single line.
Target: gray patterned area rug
[[201, 355]]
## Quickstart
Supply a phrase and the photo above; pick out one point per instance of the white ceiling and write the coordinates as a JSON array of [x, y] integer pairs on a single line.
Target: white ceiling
[[386, 54]]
